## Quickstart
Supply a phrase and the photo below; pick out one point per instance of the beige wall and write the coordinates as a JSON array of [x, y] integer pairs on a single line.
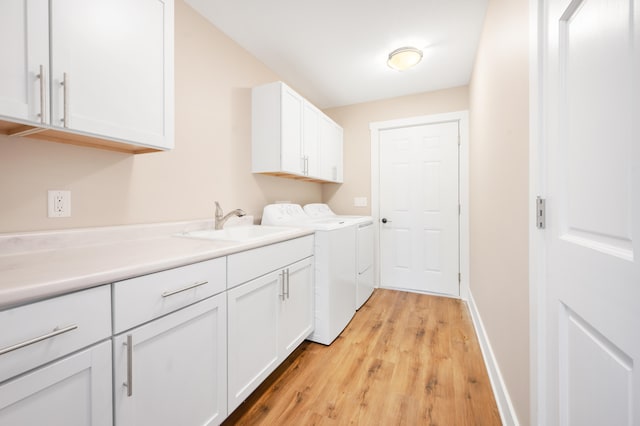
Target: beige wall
[[499, 137], [211, 161], [355, 120]]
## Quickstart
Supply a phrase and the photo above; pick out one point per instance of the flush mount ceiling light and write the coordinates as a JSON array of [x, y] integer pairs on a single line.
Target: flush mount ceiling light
[[404, 58]]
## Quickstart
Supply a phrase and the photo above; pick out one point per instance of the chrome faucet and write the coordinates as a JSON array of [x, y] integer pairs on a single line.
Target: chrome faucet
[[220, 219]]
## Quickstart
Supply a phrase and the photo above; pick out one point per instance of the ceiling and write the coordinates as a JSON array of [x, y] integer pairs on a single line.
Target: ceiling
[[334, 52]]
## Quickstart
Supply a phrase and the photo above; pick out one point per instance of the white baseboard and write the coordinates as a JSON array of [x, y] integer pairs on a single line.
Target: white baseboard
[[507, 413]]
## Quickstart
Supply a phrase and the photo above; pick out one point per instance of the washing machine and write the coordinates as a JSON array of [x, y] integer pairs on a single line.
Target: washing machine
[[364, 251], [335, 266]]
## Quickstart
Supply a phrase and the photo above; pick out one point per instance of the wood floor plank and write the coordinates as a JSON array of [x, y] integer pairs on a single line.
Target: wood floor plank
[[405, 359]]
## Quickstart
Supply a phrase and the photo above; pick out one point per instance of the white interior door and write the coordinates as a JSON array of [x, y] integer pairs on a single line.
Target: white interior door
[[591, 304], [419, 208]]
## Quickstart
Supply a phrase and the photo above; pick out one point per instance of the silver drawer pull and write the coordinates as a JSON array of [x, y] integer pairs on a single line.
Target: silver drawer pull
[[129, 382], [65, 100], [281, 278], [180, 290], [42, 94], [287, 274], [55, 332]]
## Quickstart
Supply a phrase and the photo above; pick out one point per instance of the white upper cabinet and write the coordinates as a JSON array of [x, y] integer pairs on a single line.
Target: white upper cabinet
[[287, 136], [25, 54], [331, 146], [111, 79], [310, 139], [291, 109], [113, 54]]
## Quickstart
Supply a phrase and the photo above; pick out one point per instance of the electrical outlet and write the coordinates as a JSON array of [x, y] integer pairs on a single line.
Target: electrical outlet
[[59, 203]]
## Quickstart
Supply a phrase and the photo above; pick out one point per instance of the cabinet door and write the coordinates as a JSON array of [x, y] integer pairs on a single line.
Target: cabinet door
[[331, 150], [310, 138], [117, 56], [339, 153], [24, 31], [297, 315], [177, 369], [253, 334], [74, 391], [291, 127]]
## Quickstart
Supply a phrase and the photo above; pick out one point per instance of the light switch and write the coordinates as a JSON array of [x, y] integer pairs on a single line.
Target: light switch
[[360, 202]]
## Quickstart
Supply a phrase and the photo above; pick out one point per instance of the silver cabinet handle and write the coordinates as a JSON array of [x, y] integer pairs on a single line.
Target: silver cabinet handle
[[54, 333], [281, 278], [129, 383], [180, 290], [287, 274], [65, 100], [42, 94]]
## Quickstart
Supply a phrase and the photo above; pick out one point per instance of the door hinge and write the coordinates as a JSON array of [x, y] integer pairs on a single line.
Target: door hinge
[[459, 140], [459, 209], [459, 277], [540, 213]]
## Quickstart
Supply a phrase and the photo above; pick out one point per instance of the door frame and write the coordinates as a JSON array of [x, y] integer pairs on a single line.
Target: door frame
[[537, 187], [462, 118]]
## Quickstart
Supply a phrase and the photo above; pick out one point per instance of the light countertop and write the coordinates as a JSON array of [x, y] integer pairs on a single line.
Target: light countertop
[[36, 266]]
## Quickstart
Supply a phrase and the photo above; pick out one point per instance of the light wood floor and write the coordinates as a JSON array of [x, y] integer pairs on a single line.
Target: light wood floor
[[405, 359]]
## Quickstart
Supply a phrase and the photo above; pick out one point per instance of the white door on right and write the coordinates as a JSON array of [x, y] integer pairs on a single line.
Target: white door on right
[[419, 208], [591, 106]]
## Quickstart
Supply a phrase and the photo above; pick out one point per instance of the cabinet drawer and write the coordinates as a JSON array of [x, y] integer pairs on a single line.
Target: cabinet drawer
[[43, 331], [144, 298], [247, 265]]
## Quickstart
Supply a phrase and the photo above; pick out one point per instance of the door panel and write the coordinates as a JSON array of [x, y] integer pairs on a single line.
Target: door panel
[[605, 375], [113, 53], [178, 368], [592, 282], [310, 138], [253, 310], [72, 391], [24, 29], [419, 198], [296, 310], [585, 124], [291, 132]]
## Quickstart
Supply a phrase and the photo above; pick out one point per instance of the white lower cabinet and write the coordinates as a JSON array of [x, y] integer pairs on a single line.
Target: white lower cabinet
[[296, 309], [172, 370], [268, 318], [74, 391], [253, 335], [170, 347], [55, 361], [179, 349]]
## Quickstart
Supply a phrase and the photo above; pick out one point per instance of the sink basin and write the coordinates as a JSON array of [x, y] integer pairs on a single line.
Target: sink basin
[[239, 233]]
